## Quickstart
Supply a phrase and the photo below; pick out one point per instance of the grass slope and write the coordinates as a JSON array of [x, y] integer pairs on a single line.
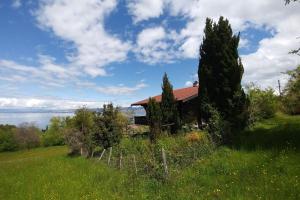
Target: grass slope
[[261, 167]]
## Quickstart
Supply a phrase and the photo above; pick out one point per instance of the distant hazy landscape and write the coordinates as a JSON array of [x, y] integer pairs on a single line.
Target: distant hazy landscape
[[41, 117]]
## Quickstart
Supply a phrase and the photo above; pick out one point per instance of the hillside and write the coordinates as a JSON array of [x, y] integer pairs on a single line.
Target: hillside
[[264, 164]]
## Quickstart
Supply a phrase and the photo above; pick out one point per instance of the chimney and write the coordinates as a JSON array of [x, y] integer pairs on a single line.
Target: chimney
[[195, 84]]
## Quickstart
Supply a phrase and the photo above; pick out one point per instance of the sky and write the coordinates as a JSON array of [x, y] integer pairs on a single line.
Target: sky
[[61, 54]]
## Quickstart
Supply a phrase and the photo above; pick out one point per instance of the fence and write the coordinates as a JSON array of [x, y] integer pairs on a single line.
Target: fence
[[155, 161]]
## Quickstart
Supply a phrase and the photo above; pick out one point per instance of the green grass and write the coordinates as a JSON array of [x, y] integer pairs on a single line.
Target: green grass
[[262, 167]]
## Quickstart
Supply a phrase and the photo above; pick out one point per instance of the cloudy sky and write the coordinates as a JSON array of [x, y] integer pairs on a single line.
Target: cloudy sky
[[68, 53]]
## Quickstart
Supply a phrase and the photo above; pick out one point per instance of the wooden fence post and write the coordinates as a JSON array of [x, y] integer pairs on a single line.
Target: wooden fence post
[[134, 161], [120, 163], [110, 151], [164, 162], [102, 154]]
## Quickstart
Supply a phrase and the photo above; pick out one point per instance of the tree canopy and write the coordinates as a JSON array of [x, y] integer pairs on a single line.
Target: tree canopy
[[154, 118], [220, 73], [168, 105]]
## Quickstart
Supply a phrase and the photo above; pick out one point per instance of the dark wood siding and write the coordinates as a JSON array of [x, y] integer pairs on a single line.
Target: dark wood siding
[[140, 120]]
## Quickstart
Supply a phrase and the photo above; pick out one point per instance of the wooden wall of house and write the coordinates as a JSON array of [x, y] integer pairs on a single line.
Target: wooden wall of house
[[188, 110]]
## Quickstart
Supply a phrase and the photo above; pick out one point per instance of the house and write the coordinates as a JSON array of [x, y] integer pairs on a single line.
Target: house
[[186, 99]]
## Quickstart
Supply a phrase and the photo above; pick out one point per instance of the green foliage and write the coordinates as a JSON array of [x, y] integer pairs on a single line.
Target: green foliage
[[74, 139], [108, 127], [291, 93], [225, 174], [154, 118], [216, 126], [220, 73], [83, 123], [83, 120], [260, 168], [123, 122], [280, 132], [54, 135], [27, 136], [169, 109], [7, 139], [263, 103]]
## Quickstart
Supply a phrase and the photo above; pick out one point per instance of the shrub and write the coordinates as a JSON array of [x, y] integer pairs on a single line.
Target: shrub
[[263, 103], [74, 139], [81, 125], [154, 117], [291, 93], [195, 137], [218, 129], [7, 140], [108, 127], [54, 134], [27, 136]]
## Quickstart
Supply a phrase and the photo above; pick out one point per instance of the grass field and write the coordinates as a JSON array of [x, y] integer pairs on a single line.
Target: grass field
[[264, 164]]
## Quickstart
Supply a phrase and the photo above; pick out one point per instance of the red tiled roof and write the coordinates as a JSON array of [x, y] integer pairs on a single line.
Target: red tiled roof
[[180, 95]]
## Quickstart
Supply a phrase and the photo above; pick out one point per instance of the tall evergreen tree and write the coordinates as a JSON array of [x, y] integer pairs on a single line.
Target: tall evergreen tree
[[220, 73], [168, 105], [154, 119]]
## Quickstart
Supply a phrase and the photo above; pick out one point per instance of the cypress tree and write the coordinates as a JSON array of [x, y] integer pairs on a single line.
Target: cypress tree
[[220, 73], [168, 105], [154, 119]]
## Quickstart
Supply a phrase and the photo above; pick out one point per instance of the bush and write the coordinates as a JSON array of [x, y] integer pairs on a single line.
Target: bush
[[263, 103], [74, 140], [108, 127], [27, 136], [7, 140], [196, 137], [54, 134], [291, 93], [154, 117], [218, 129], [81, 127]]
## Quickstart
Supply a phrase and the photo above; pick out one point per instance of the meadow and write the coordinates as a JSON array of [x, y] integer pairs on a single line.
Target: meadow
[[264, 163]]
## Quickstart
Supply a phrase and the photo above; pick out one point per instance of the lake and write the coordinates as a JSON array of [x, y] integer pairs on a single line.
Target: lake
[[40, 119]]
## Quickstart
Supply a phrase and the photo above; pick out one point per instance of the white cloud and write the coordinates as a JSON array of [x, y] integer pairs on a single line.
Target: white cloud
[[145, 9], [150, 36], [82, 24], [16, 3], [263, 66], [47, 103], [154, 45], [48, 73], [121, 89], [244, 43], [188, 83], [52, 75]]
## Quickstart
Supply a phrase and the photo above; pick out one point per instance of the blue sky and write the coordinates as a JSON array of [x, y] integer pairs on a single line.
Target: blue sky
[[64, 54]]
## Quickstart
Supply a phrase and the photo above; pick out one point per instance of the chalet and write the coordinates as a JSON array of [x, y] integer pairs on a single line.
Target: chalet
[[186, 99]]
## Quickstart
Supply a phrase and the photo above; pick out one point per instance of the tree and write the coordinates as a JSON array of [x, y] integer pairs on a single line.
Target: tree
[[27, 136], [220, 72], [291, 93], [169, 107], [295, 51], [54, 133], [108, 127], [83, 122], [7, 139], [154, 117], [263, 103]]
